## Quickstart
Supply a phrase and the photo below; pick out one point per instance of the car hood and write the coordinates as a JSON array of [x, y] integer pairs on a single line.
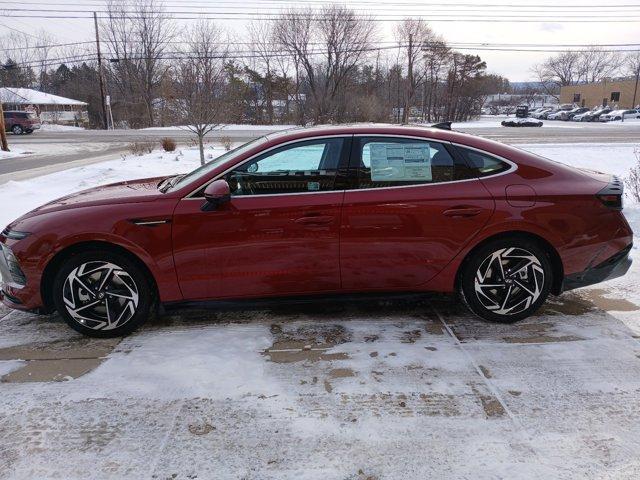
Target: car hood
[[134, 191]]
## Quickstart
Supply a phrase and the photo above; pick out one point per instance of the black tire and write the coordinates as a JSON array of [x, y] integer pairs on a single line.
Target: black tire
[[518, 293], [17, 130], [121, 306]]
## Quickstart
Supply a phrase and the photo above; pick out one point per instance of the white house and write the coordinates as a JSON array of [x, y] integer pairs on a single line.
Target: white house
[[50, 108]]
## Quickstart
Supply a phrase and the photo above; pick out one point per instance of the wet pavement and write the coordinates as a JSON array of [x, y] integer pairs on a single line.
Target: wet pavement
[[377, 390]]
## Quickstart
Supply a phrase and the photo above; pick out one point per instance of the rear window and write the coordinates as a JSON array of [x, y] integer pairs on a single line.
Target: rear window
[[482, 163]]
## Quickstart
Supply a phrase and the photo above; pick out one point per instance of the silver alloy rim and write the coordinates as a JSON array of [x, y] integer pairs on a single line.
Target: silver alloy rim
[[100, 295], [509, 281]]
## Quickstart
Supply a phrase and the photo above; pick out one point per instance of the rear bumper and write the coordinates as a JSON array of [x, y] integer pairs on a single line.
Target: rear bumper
[[615, 266]]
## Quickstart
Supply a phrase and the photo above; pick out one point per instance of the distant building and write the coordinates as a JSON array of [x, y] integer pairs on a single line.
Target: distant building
[[50, 108], [624, 93]]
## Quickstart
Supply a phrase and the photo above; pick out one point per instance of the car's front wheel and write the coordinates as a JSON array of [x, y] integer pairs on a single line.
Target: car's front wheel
[[17, 130], [102, 294], [506, 280]]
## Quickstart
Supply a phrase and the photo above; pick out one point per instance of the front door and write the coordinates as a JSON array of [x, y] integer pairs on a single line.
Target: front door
[[414, 206], [279, 233]]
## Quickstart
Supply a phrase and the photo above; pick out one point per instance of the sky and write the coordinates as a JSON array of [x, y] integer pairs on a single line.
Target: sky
[[500, 23]]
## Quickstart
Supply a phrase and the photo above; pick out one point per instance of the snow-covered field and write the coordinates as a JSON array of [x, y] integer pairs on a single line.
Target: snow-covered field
[[493, 121], [390, 390]]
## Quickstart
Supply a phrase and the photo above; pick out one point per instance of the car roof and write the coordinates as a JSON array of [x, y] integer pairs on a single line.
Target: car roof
[[418, 130]]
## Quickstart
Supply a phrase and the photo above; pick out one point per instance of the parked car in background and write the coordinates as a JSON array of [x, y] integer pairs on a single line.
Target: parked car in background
[[566, 115], [547, 113], [538, 113], [555, 115], [617, 115], [323, 211], [20, 122], [592, 115]]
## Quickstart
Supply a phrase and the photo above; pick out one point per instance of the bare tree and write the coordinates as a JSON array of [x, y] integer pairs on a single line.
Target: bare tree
[[413, 36], [436, 58], [200, 80], [343, 40], [137, 34], [575, 66], [558, 71], [596, 64], [261, 35]]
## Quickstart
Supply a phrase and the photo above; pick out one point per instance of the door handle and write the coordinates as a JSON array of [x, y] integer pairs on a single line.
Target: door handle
[[462, 212], [315, 220]]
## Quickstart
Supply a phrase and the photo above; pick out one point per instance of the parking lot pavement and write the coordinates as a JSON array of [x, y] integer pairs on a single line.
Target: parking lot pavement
[[403, 389]]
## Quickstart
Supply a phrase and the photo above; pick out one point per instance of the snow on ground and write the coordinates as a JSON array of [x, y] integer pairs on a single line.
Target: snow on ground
[[14, 152], [51, 127], [493, 121], [377, 392], [53, 148], [231, 126], [129, 167]]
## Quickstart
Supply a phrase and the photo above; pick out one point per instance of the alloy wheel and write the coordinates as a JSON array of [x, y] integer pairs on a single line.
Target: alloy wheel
[[100, 295], [509, 281]]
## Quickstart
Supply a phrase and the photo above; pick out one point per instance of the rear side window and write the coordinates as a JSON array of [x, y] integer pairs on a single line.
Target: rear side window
[[482, 163], [389, 162]]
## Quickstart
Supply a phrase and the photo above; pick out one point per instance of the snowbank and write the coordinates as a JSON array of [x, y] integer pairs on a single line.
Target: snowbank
[[52, 127], [15, 152], [231, 126], [22, 197]]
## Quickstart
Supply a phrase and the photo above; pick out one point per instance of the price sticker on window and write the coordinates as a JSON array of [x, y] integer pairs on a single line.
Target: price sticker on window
[[400, 162]]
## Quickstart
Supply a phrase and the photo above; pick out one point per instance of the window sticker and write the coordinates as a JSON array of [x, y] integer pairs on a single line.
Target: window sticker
[[400, 162]]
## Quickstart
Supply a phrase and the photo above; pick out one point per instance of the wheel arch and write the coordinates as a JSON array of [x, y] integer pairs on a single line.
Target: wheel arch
[[554, 256], [46, 282]]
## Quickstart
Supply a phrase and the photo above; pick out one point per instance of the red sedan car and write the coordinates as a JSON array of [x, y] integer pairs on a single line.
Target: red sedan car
[[320, 211]]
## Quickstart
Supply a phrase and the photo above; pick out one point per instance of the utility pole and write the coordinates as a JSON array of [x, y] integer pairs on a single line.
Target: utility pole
[[3, 133], [100, 75], [4, 146], [635, 90]]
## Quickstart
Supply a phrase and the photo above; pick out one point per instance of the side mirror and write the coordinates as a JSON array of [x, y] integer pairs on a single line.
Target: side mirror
[[216, 194]]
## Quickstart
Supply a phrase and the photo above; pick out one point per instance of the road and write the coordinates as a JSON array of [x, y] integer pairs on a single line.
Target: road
[[72, 148]]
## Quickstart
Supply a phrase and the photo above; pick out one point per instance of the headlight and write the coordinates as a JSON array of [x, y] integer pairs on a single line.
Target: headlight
[[14, 234], [13, 267]]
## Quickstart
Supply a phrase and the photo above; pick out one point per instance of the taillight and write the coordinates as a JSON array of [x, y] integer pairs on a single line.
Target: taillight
[[611, 195]]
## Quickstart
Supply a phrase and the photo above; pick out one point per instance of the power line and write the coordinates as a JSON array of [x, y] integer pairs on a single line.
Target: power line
[[125, 14], [53, 45], [204, 4], [429, 18]]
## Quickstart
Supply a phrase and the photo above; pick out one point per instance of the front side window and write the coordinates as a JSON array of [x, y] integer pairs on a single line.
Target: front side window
[[310, 166], [482, 163], [389, 162]]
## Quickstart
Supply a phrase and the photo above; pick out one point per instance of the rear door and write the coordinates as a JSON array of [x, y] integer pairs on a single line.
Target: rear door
[[413, 206]]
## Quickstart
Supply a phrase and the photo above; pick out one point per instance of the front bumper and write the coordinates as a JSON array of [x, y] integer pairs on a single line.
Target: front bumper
[[614, 267], [12, 278]]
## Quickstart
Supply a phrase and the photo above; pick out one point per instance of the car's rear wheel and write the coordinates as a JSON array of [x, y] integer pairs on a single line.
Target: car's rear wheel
[[102, 294], [506, 280], [17, 130]]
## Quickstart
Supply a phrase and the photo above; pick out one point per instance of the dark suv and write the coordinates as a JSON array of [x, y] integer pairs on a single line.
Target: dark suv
[[20, 122]]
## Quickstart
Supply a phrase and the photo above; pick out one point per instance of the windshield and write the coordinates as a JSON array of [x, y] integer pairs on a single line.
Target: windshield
[[208, 167]]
